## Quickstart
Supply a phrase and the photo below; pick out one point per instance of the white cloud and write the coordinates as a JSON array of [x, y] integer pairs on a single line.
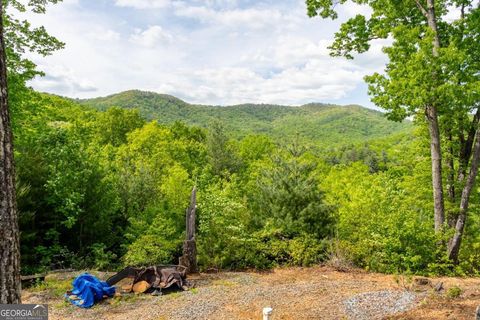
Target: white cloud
[[143, 4], [150, 37], [352, 9], [289, 51], [452, 14], [250, 18], [317, 80], [210, 52], [61, 79], [105, 35]]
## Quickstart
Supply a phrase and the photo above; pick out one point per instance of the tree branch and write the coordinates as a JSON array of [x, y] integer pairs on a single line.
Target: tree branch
[[422, 9], [466, 148]]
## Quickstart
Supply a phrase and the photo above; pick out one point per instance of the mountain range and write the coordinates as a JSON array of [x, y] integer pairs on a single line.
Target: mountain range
[[320, 123]]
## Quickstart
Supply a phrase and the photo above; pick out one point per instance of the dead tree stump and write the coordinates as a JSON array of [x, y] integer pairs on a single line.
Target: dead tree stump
[[189, 257]]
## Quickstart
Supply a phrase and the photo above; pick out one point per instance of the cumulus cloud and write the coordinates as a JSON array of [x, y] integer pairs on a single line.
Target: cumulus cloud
[[62, 80], [204, 51], [352, 9], [105, 35], [143, 4], [151, 36], [248, 18], [315, 81]]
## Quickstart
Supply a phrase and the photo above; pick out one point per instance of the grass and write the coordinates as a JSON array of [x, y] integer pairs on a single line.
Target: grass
[[194, 290], [54, 288], [224, 283], [454, 292]]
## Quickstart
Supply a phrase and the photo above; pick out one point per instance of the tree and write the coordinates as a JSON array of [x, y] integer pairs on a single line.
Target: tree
[[115, 123], [290, 198], [432, 75], [220, 155], [9, 234], [15, 38]]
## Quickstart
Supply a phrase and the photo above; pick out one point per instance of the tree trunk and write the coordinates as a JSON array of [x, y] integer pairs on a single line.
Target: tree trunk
[[9, 235], [466, 147], [189, 257], [432, 117], [454, 244], [432, 23], [436, 155], [451, 216]]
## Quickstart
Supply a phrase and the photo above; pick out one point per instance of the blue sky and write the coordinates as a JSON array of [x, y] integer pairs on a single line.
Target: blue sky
[[211, 52]]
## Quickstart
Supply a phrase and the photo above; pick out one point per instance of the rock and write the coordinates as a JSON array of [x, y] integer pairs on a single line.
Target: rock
[[439, 287], [422, 281]]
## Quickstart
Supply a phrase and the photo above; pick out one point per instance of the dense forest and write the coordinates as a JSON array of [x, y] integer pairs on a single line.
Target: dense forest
[[103, 189], [318, 123]]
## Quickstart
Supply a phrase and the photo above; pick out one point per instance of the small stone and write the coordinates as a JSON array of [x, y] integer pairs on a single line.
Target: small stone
[[439, 287], [422, 281]]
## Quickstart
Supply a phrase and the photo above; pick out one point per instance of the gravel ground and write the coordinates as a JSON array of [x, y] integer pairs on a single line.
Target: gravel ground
[[376, 305], [296, 293]]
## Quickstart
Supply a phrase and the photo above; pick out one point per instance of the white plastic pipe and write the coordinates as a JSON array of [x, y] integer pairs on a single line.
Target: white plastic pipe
[[266, 313]]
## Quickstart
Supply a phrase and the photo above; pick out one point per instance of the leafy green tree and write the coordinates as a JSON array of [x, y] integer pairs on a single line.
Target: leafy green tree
[[433, 75], [16, 37], [113, 125], [290, 196], [220, 155], [223, 237]]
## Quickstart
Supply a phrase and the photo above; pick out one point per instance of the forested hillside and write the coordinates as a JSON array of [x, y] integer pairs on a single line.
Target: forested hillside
[[320, 123], [108, 188]]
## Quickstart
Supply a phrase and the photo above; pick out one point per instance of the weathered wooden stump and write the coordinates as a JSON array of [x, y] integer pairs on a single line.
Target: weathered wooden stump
[[189, 257]]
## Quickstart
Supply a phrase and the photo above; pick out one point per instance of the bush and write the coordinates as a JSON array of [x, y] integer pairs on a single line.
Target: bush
[[101, 258], [151, 250], [273, 249], [384, 222], [454, 292], [159, 244]]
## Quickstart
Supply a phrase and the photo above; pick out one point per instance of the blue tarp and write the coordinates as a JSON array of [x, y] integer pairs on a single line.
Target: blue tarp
[[87, 290]]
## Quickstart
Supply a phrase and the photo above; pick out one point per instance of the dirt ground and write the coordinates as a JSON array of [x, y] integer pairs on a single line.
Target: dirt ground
[[293, 293]]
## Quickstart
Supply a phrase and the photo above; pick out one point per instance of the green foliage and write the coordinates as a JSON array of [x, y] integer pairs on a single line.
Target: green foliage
[[105, 182], [220, 156], [223, 241], [102, 258], [454, 292], [273, 249], [290, 196], [384, 221], [432, 75], [21, 37], [95, 197], [159, 245], [114, 124]]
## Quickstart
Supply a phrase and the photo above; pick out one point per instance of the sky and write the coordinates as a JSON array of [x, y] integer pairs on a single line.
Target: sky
[[219, 52]]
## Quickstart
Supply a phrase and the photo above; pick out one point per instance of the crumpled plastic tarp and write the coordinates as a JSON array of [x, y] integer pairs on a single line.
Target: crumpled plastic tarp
[[87, 290]]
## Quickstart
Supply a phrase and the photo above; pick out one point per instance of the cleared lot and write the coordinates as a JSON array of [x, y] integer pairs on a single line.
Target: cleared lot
[[293, 293]]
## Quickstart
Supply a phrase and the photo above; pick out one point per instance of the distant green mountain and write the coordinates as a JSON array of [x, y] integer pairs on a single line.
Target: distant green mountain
[[320, 123]]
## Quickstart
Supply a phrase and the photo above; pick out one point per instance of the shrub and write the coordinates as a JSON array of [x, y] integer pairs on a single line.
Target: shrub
[[454, 292]]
